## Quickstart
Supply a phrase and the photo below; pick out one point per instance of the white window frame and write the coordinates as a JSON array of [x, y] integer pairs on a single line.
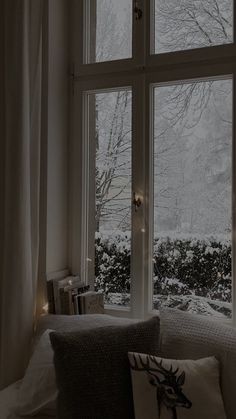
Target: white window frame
[[140, 72]]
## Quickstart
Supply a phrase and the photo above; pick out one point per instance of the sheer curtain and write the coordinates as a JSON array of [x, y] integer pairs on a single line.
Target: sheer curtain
[[21, 189]]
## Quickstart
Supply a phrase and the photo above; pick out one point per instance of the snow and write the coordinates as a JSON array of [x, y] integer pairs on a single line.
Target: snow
[[189, 303], [194, 304]]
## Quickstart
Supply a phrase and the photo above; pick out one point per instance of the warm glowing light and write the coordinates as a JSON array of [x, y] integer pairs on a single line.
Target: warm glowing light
[[45, 308]]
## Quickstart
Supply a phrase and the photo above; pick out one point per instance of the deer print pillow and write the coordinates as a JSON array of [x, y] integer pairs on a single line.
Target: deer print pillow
[[173, 389]]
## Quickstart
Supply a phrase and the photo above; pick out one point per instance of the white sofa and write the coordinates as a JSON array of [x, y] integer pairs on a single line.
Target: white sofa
[[183, 336]]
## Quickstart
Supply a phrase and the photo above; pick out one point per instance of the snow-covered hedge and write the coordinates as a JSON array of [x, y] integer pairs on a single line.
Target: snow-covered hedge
[[182, 266], [112, 263], [198, 266]]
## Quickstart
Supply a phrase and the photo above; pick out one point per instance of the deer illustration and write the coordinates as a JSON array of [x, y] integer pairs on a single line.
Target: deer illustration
[[169, 392]]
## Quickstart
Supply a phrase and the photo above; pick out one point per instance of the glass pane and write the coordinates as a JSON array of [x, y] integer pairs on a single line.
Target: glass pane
[[113, 194], [109, 30], [188, 24], [192, 196]]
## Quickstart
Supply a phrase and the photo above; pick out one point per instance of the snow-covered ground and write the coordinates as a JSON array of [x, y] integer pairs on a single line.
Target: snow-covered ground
[[194, 304], [190, 303]]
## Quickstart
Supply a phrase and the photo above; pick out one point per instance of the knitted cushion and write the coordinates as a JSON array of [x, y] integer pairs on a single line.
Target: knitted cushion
[[92, 369], [65, 323], [37, 392]]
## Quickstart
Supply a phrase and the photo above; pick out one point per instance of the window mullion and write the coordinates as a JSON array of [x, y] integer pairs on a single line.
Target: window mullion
[[138, 213], [234, 203], [139, 32], [149, 213]]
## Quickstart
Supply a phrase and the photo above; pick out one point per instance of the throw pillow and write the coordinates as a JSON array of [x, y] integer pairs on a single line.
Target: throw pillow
[[38, 391], [92, 369], [167, 388], [65, 323]]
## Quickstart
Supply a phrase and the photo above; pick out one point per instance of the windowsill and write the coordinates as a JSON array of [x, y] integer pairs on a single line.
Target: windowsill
[[118, 311]]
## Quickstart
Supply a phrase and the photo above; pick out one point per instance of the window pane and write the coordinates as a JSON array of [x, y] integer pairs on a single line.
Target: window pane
[[110, 30], [113, 194], [188, 24], [192, 196]]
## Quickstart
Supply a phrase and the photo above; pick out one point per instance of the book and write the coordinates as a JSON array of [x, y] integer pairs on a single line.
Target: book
[[75, 298], [51, 278], [68, 297], [66, 301], [59, 284], [91, 302]]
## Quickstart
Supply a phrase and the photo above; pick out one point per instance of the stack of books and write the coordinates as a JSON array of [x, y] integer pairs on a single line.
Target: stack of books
[[70, 295]]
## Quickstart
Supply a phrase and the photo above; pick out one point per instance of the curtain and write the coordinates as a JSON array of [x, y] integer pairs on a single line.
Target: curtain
[[21, 189]]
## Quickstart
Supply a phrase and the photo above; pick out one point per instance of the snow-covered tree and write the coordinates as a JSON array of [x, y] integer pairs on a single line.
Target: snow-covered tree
[[188, 24], [113, 159], [113, 122], [192, 159], [193, 122], [113, 38]]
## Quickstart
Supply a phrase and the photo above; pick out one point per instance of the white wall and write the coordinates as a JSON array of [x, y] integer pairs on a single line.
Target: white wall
[[58, 84]]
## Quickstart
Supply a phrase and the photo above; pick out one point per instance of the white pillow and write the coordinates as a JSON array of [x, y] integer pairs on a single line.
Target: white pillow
[[167, 388], [38, 390]]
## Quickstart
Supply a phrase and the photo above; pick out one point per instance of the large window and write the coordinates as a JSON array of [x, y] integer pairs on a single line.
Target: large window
[[153, 154]]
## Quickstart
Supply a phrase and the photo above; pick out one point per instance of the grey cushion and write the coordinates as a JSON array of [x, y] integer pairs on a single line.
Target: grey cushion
[[66, 323], [191, 336], [63, 323], [92, 369]]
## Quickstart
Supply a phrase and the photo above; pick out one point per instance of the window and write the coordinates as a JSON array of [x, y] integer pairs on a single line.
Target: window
[[153, 154]]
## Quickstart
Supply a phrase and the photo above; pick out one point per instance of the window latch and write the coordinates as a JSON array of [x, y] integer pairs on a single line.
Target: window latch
[[137, 11], [136, 202]]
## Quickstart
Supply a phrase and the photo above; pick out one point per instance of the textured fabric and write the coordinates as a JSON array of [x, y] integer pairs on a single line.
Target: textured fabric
[[92, 369], [20, 193], [38, 390], [185, 335], [165, 387], [63, 323]]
